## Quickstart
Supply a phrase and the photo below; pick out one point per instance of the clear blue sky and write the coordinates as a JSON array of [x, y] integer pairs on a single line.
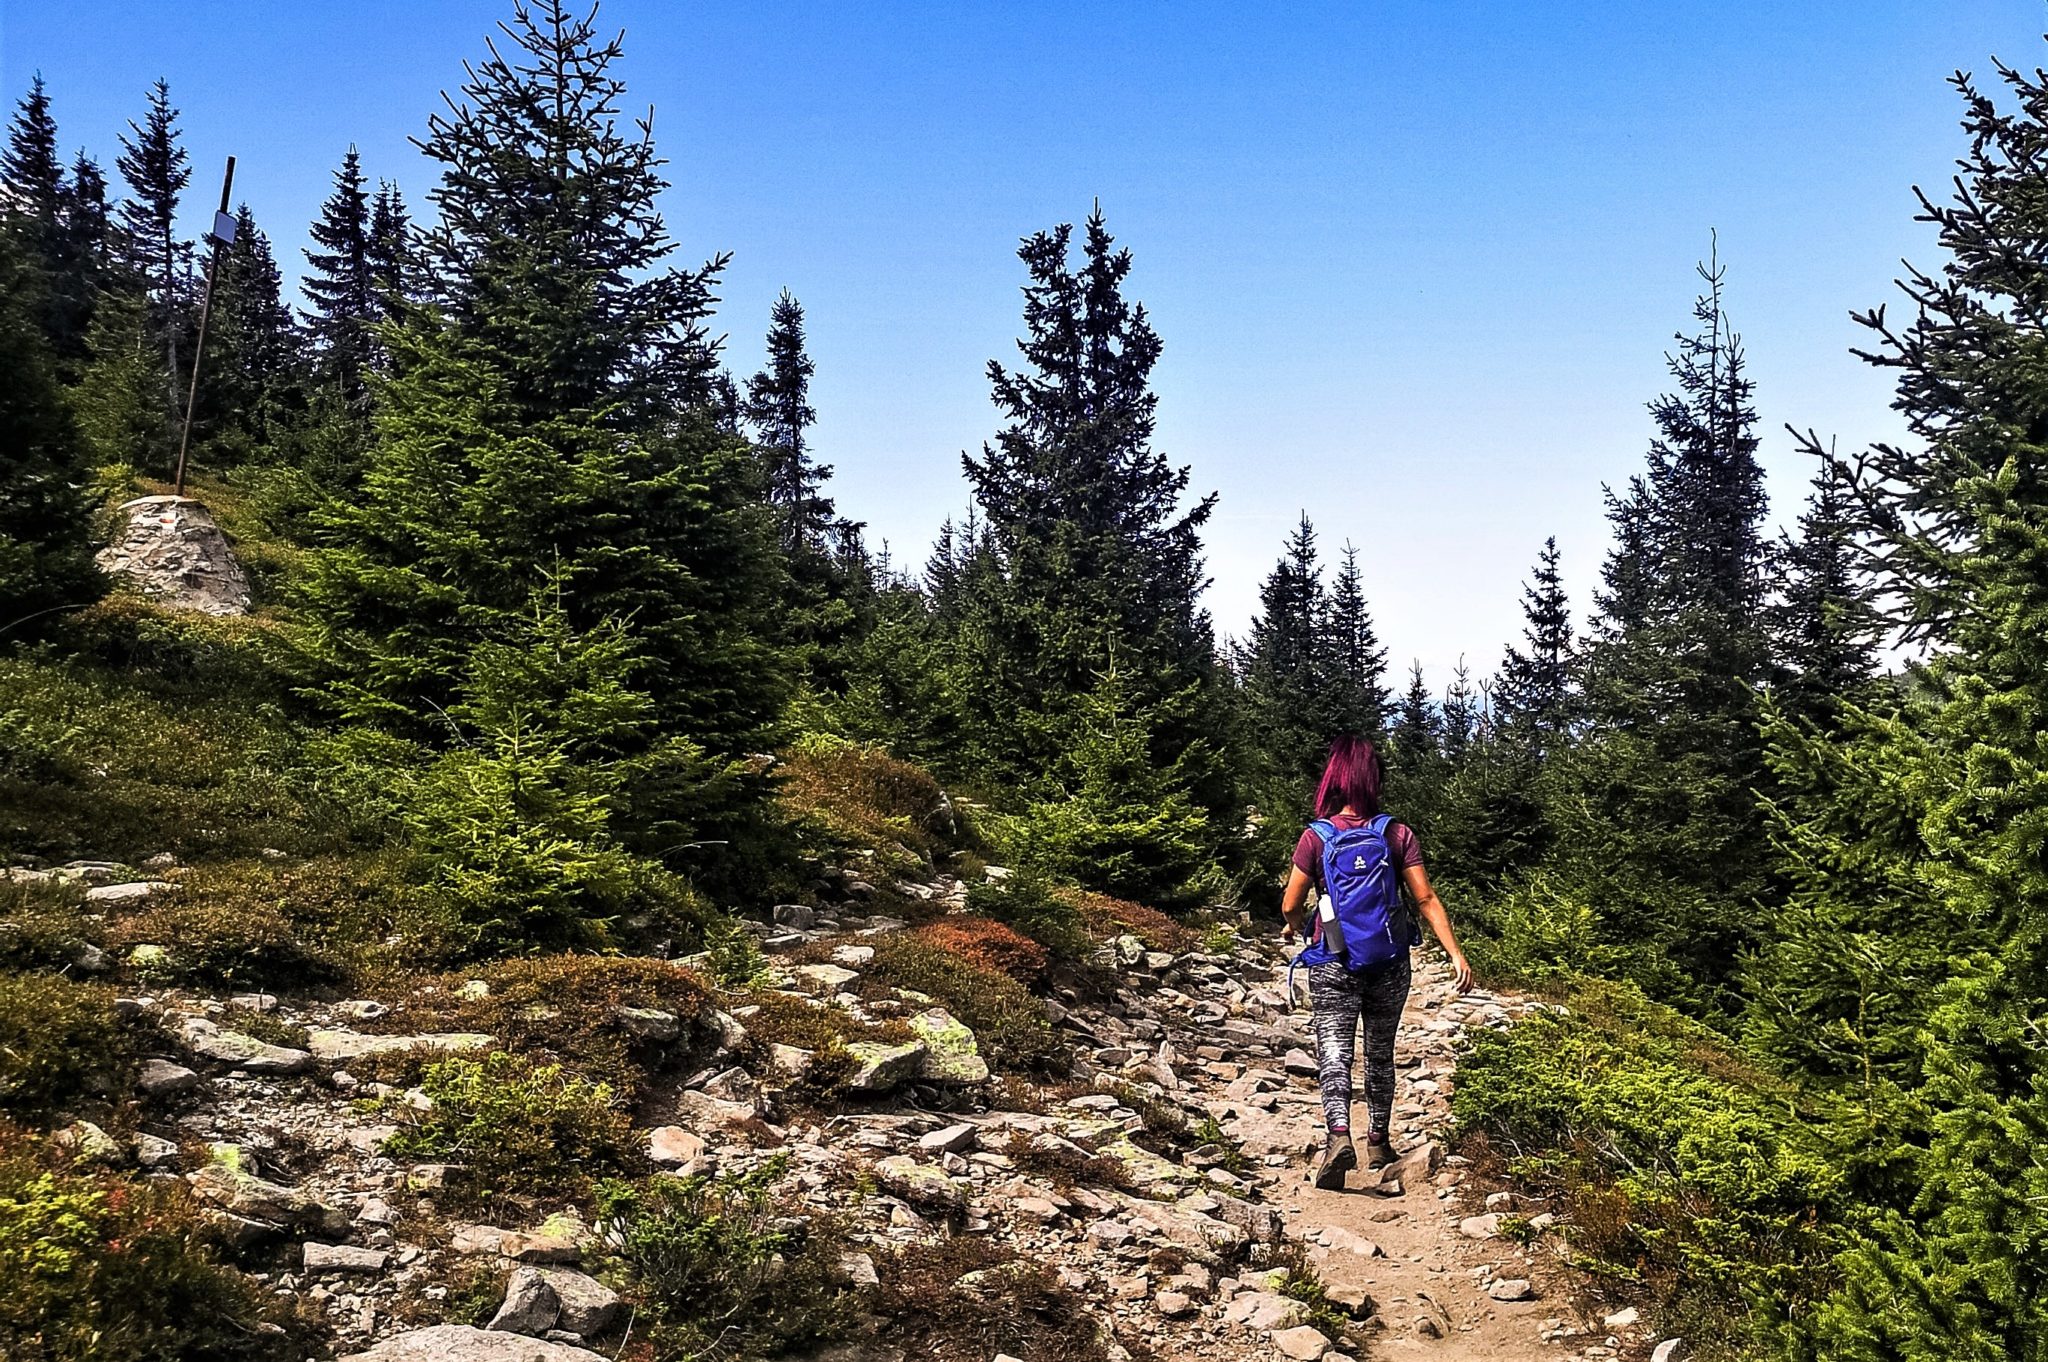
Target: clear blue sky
[[1415, 263]]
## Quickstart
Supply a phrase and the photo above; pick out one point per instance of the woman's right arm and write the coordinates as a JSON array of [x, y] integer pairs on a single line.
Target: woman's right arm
[[1294, 899], [1432, 910]]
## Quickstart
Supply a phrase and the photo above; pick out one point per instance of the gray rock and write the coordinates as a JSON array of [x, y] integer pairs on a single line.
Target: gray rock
[[135, 891], [588, 1306], [161, 1078], [228, 1184], [953, 1139], [530, 1305], [344, 1047], [880, 1067], [154, 1151], [1300, 1063], [1303, 1343], [649, 1023], [797, 917], [318, 1258], [460, 1343], [919, 1184], [1480, 1226], [361, 1009], [173, 552], [206, 1040], [1667, 1351], [952, 1055], [1511, 1289]]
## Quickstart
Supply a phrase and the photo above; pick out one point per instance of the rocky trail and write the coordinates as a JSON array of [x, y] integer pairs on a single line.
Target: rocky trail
[[1163, 1183]]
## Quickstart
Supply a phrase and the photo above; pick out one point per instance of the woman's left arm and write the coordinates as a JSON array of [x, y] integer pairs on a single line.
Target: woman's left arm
[[1432, 910]]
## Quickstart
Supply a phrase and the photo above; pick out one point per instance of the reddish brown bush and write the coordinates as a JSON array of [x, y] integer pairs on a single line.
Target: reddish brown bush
[[1108, 917], [989, 945]]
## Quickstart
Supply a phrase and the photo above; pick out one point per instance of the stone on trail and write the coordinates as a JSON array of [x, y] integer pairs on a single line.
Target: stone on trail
[[1300, 1063], [316, 1257], [344, 1047], [1304, 1343], [1667, 1351], [1511, 1289], [953, 1139], [881, 1068], [227, 1184], [919, 1184], [1480, 1226], [461, 1343], [952, 1054], [175, 554], [1625, 1318], [161, 1078], [671, 1146], [136, 891], [203, 1038], [530, 1305]]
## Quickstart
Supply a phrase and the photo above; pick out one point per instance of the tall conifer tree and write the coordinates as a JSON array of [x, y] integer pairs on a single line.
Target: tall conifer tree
[[1911, 965], [341, 284], [1535, 685], [545, 427], [1089, 549], [157, 170]]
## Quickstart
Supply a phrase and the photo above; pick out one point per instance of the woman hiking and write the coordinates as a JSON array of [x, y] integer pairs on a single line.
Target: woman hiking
[[1358, 860]]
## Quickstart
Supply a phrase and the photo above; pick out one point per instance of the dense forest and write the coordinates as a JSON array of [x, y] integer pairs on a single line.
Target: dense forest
[[559, 633]]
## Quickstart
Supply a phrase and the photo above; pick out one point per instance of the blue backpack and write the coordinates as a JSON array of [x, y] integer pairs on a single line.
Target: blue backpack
[[1366, 923]]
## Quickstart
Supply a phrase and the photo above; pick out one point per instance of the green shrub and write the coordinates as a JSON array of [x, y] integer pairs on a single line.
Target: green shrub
[[60, 1043], [721, 1271], [1031, 904], [732, 955], [967, 1300], [230, 927], [565, 1009], [122, 765], [1680, 1169], [1303, 1283], [517, 1128], [859, 798], [1010, 1025], [95, 1268], [43, 926]]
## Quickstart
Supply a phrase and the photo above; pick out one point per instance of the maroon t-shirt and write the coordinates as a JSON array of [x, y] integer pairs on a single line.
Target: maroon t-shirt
[[1401, 845]]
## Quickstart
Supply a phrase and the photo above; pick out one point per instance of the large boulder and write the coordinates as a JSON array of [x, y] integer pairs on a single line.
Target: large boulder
[[461, 1343], [173, 552]]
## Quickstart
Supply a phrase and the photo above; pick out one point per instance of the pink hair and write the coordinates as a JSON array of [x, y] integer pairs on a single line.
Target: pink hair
[[1351, 780]]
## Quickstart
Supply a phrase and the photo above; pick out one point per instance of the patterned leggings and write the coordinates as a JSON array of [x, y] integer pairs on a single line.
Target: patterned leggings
[[1375, 995]]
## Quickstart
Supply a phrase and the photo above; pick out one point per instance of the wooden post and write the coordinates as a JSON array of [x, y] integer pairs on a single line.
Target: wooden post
[[219, 239]]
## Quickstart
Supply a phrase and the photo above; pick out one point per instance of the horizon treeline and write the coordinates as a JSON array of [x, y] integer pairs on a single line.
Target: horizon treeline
[[551, 591]]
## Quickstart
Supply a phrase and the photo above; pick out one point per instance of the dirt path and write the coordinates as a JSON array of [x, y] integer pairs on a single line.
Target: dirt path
[[1439, 1290]]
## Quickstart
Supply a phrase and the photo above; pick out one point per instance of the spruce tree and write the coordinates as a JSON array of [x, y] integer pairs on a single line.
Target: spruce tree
[[46, 561], [1912, 965], [1416, 770], [394, 264], [119, 397], [32, 181], [778, 408], [1659, 799], [1825, 625], [85, 264], [1089, 550], [252, 373], [1534, 696], [544, 422], [157, 170], [1357, 662], [1286, 668], [341, 284]]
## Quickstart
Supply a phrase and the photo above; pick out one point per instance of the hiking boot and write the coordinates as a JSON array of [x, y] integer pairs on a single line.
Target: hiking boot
[[1378, 1153], [1337, 1159]]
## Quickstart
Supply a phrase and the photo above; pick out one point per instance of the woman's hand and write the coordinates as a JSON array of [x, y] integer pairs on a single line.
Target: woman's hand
[[1461, 969]]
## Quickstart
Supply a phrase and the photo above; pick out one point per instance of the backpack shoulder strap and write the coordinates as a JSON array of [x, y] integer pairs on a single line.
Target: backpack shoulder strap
[[1324, 829], [1380, 824]]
